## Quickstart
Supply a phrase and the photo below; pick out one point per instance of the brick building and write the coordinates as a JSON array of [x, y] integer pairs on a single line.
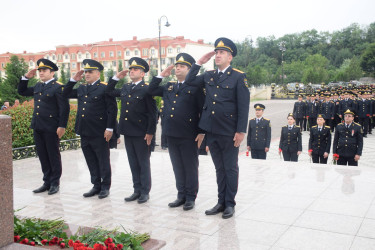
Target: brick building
[[110, 52]]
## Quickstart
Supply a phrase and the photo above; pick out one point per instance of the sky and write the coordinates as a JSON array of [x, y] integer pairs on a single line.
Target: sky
[[39, 25]]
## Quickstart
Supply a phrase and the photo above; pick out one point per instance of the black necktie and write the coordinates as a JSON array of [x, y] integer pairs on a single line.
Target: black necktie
[[257, 120], [133, 85], [179, 85], [320, 129], [290, 128], [220, 74]]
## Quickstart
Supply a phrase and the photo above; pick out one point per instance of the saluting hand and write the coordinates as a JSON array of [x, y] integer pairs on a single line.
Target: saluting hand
[[31, 73], [78, 76], [238, 138], [108, 135], [122, 74], [167, 72], [206, 57], [60, 132], [148, 139], [199, 139]]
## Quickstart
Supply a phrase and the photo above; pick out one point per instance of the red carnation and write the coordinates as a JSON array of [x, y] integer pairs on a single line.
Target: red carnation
[[51, 243], [111, 246], [120, 246], [62, 245], [55, 239], [98, 246], [24, 241], [310, 150], [16, 238], [71, 243], [280, 150], [77, 241], [44, 242], [32, 243]]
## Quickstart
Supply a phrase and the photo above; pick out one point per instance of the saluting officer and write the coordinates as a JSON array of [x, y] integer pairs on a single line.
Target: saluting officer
[[224, 118], [364, 112], [320, 141], [348, 141], [137, 124], [299, 111], [259, 134], [95, 121], [182, 108], [50, 117], [290, 140]]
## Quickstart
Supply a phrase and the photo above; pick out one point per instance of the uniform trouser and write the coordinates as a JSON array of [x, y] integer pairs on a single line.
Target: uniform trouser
[[139, 160], [312, 121], [347, 161], [319, 159], [184, 157], [96, 152], [304, 124], [365, 124], [47, 147], [225, 157], [290, 156], [258, 154], [299, 122]]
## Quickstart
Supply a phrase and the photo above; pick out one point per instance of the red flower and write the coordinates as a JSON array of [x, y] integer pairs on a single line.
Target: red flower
[[336, 156], [62, 245], [32, 243], [108, 241], [111, 246], [280, 150], [51, 243], [98, 246], [55, 239], [310, 150], [24, 241], [16, 238], [44, 242], [77, 241], [120, 246], [70, 243]]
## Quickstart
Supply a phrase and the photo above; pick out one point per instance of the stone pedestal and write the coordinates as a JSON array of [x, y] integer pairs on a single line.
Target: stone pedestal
[[6, 180]]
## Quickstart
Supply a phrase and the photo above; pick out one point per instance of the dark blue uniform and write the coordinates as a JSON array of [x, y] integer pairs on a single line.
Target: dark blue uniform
[[327, 109], [364, 112], [137, 118], [336, 113], [347, 143], [51, 110], [225, 112], [320, 143], [181, 112], [346, 104], [259, 137], [299, 112], [290, 142], [96, 111], [312, 112]]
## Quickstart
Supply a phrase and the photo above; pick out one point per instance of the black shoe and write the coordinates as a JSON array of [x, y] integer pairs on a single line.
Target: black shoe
[[103, 193], [189, 205], [177, 203], [53, 190], [42, 189], [91, 193], [215, 210], [228, 212], [143, 198], [365, 136], [132, 197]]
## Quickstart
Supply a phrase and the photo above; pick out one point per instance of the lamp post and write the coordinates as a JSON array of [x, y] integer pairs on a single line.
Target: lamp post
[[167, 24], [282, 49]]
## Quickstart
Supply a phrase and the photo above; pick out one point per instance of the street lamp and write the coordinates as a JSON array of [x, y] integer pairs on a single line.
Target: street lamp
[[167, 24], [282, 48]]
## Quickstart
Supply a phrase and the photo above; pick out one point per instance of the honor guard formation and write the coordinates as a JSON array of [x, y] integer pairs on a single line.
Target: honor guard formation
[[199, 113]]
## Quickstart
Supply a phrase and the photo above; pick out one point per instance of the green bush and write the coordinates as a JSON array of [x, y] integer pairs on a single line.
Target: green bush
[[22, 134]]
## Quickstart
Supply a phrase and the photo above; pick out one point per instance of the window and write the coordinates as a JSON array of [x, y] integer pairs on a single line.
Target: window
[[163, 51], [114, 63], [152, 51], [53, 57], [30, 63], [2, 65], [59, 56], [171, 60], [87, 55], [136, 52], [74, 65], [79, 56], [105, 64], [66, 56], [119, 53], [145, 52], [47, 57], [73, 56], [155, 61], [163, 61], [95, 55], [170, 50], [102, 54], [126, 63], [178, 50], [111, 53], [128, 53]]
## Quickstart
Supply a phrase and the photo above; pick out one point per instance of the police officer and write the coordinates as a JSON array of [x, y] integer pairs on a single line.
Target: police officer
[[182, 108], [345, 104], [137, 124], [312, 110], [336, 111], [299, 111], [320, 141], [95, 121], [327, 109], [348, 141], [364, 112], [259, 134], [50, 117], [224, 118], [290, 140]]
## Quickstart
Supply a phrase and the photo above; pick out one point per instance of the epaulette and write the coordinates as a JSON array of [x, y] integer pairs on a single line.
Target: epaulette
[[327, 126], [104, 83], [172, 81], [314, 126], [238, 71], [285, 126], [340, 123], [266, 119], [59, 83], [358, 124], [146, 83], [252, 119], [297, 126], [211, 70]]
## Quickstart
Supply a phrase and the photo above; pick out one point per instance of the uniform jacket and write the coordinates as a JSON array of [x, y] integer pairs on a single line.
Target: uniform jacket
[[327, 109], [138, 109], [291, 140], [96, 111], [51, 108], [259, 135], [312, 109], [182, 107], [364, 108], [346, 104], [320, 142], [348, 142], [299, 109], [226, 107]]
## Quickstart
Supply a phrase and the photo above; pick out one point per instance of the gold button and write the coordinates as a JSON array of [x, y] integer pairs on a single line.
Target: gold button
[[215, 95], [39, 100], [129, 95], [83, 115], [37, 106], [217, 86], [189, 119], [50, 115], [213, 112], [126, 111], [127, 103], [101, 118], [126, 119], [37, 113], [140, 120], [84, 102], [83, 109], [40, 93], [174, 101], [176, 95], [86, 96], [171, 115], [172, 108], [213, 102]]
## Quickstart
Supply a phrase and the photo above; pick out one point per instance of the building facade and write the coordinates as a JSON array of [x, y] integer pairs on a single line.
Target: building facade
[[110, 53]]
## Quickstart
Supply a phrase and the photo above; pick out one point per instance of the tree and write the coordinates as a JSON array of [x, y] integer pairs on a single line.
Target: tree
[[109, 74], [14, 70], [123, 80], [315, 70], [368, 59], [62, 78]]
